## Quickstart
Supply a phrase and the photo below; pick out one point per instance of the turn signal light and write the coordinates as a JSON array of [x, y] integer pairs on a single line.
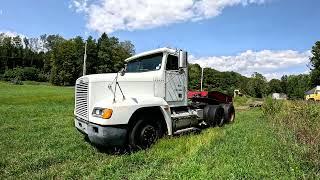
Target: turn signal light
[[107, 113]]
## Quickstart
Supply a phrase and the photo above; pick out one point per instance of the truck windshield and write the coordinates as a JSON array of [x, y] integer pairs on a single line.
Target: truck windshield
[[145, 63]]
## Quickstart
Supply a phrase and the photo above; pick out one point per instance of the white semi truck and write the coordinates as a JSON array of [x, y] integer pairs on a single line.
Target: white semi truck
[[145, 101]]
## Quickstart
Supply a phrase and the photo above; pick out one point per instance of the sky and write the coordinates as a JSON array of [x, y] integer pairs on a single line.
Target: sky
[[272, 37]]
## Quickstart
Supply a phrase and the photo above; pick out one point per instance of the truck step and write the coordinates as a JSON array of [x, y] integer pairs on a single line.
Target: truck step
[[187, 131]]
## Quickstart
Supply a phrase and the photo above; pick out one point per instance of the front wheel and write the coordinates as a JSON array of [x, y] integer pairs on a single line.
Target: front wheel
[[143, 134]]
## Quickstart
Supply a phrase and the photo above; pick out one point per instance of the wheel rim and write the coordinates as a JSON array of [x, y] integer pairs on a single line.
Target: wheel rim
[[220, 117], [148, 136], [232, 117]]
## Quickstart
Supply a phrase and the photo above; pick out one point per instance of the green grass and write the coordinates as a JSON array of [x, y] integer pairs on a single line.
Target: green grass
[[38, 140]]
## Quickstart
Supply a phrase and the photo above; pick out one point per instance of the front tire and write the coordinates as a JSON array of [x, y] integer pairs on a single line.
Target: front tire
[[143, 134]]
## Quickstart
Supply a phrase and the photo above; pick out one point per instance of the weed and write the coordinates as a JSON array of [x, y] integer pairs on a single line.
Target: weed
[[298, 121]]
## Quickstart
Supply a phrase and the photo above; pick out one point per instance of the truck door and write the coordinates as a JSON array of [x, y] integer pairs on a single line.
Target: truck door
[[175, 80]]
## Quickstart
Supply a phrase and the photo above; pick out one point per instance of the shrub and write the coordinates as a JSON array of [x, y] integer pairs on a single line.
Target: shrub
[[22, 74], [271, 107], [30, 73], [42, 77]]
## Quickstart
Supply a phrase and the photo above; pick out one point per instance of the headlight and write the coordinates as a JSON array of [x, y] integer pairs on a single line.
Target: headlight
[[104, 113]]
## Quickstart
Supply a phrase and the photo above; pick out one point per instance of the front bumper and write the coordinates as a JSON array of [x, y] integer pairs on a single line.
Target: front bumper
[[102, 135]]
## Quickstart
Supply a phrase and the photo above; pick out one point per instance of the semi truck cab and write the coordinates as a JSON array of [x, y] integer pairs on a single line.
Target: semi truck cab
[[145, 101]]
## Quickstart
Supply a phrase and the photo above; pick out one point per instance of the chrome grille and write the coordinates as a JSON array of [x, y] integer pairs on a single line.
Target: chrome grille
[[82, 89]]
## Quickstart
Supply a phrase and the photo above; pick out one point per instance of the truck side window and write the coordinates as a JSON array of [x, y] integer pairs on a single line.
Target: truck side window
[[172, 63]]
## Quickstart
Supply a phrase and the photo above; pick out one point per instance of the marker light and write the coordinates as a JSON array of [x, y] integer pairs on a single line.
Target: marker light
[[107, 113]]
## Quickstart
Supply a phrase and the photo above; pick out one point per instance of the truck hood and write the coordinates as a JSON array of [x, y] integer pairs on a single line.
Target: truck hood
[[128, 77], [133, 85]]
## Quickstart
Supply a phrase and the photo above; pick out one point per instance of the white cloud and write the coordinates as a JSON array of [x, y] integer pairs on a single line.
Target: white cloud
[[36, 44], [12, 34], [272, 64], [113, 15], [1, 11], [79, 5]]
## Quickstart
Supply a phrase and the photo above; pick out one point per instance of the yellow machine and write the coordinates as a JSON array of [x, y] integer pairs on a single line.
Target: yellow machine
[[313, 94]]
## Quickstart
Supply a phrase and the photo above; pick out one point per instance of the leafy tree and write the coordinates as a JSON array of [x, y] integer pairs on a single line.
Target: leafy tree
[[275, 86], [92, 55], [112, 53], [315, 64], [257, 86], [284, 84], [194, 76], [298, 85], [106, 64], [65, 68]]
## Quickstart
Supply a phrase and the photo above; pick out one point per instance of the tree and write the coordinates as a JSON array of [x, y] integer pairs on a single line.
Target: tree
[[104, 54], [284, 84], [298, 85], [194, 76], [112, 53], [275, 86], [257, 86], [92, 56], [315, 64], [65, 69]]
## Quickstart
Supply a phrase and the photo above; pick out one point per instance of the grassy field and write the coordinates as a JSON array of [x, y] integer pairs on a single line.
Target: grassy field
[[38, 140]]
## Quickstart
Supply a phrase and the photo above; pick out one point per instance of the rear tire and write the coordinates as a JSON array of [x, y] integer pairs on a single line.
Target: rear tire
[[214, 115], [229, 113], [143, 134]]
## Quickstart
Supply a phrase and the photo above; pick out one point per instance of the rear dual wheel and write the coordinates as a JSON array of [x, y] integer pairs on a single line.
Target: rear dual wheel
[[219, 114], [214, 115], [229, 113]]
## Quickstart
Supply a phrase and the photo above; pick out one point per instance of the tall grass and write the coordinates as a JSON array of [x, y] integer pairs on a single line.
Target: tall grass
[[298, 122]]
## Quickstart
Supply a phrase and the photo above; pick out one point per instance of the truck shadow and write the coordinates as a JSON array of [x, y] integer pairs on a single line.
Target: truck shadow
[[127, 149], [117, 150]]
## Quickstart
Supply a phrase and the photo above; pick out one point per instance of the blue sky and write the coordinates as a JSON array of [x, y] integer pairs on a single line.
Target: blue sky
[[269, 36]]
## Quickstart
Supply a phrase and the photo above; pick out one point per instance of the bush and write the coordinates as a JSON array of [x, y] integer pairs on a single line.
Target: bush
[[30, 73], [12, 74], [43, 77], [271, 107], [22, 74]]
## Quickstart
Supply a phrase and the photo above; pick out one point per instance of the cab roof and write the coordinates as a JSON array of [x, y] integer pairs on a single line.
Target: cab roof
[[165, 49]]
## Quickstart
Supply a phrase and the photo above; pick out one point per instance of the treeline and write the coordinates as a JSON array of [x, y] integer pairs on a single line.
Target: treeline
[[58, 60], [256, 86]]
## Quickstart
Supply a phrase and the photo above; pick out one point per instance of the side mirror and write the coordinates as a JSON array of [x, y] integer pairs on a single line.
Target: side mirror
[[183, 59]]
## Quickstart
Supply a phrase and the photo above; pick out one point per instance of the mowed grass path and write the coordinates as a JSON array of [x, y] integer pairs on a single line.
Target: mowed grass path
[[38, 140]]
